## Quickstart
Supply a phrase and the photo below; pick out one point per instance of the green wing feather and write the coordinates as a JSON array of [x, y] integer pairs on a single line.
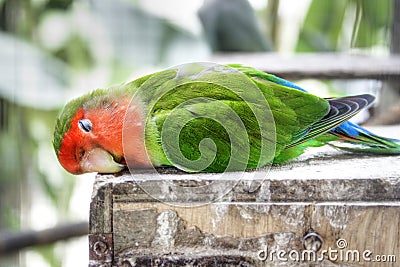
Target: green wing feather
[[293, 113], [193, 95]]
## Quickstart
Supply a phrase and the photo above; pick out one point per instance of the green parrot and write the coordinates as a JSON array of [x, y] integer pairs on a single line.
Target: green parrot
[[205, 117]]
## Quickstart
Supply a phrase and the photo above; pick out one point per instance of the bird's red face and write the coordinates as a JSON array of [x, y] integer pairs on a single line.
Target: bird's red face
[[93, 142]]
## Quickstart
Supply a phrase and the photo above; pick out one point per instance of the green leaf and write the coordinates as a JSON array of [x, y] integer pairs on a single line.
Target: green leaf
[[322, 26], [373, 28], [31, 77]]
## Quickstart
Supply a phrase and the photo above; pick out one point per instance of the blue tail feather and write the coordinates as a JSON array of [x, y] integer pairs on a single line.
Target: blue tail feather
[[355, 138]]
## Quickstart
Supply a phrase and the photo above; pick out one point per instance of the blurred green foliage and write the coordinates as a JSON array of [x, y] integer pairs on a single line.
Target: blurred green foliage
[[364, 22], [375, 22], [231, 26]]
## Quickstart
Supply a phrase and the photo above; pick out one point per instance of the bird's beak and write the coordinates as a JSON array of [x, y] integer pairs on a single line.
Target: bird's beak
[[99, 160]]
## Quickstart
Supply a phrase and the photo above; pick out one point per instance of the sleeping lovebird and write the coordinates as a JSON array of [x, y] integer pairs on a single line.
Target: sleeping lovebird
[[204, 117]]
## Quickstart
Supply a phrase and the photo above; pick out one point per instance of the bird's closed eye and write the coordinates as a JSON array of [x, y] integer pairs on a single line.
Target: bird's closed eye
[[85, 125]]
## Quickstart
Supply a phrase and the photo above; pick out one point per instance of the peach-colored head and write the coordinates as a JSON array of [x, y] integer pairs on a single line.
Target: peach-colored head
[[88, 133]]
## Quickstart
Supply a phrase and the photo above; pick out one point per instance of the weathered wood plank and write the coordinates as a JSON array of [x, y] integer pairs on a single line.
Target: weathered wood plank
[[245, 230], [318, 65], [100, 220], [173, 219]]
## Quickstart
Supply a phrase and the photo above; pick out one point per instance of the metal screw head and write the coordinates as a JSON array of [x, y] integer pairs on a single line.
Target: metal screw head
[[100, 247], [312, 241]]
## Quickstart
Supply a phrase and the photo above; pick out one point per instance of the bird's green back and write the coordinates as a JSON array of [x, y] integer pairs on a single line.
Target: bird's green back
[[196, 104]]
